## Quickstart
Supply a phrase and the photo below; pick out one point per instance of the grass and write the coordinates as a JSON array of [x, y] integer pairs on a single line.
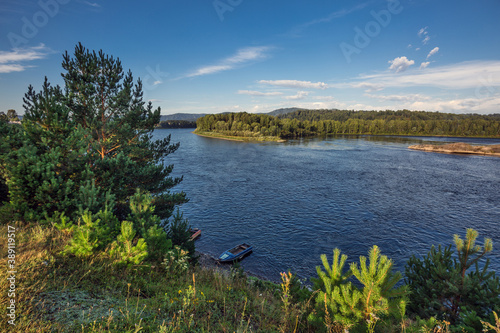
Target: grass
[[56, 293], [60, 293]]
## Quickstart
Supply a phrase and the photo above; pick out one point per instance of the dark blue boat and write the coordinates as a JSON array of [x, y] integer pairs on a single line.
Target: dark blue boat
[[235, 253]]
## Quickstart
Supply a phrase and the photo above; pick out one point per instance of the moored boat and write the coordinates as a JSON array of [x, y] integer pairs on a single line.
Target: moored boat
[[195, 233], [235, 253]]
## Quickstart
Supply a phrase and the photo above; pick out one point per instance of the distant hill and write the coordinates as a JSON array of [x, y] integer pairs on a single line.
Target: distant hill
[[182, 116], [283, 111], [195, 116]]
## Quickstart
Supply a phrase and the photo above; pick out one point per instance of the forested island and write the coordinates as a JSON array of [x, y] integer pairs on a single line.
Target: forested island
[[309, 123]]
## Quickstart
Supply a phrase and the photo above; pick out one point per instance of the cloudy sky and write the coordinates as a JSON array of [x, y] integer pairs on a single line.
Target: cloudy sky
[[257, 56]]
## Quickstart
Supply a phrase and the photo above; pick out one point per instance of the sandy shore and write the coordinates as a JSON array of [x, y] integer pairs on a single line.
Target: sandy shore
[[460, 148]]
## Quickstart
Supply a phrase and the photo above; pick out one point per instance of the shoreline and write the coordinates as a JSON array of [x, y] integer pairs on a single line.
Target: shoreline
[[206, 261], [238, 139], [459, 148]]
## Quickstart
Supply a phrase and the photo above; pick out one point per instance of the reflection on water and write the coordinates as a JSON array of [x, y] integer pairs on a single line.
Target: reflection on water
[[294, 201]]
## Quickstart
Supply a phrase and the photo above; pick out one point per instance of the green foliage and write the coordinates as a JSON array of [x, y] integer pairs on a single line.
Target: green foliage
[[451, 288], [148, 225], [303, 123], [179, 233], [86, 237], [65, 224], [158, 243], [237, 272], [298, 290], [334, 275], [177, 124], [340, 304], [495, 327], [91, 137], [142, 212], [176, 261], [123, 251], [379, 293]]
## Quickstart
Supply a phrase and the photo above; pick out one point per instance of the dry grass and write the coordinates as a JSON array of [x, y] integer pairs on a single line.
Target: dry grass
[[460, 148]]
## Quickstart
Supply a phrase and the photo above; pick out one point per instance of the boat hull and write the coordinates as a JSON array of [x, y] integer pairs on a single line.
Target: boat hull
[[241, 251]]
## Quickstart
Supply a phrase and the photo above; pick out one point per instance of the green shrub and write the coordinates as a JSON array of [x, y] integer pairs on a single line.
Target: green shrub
[[176, 261], [178, 232], [86, 236], [341, 305], [451, 288], [123, 251]]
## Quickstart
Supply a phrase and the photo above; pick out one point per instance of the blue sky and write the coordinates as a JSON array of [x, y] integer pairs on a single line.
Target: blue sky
[[257, 56]]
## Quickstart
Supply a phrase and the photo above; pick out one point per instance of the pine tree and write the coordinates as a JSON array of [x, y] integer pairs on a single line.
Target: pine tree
[[454, 288], [340, 303], [97, 129], [123, 250]]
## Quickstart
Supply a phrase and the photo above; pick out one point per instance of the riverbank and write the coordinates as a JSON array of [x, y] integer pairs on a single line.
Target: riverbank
[[459, 148], [206, 261], [216, 135], [54, 292]]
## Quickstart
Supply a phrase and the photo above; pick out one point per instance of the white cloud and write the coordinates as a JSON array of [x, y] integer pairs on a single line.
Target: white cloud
[[295, 84], [465, 75], [241, 57], [422, 32], [12, 68], [92, 4], [11, 61], [369, 87], [433, 51], [400, 98], [424, 65], [259, 93], [424, 35], [458, 105], [400, 64], [299, 95]]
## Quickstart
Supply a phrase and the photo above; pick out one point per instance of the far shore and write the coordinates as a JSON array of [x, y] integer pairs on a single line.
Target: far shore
[[460, 148]]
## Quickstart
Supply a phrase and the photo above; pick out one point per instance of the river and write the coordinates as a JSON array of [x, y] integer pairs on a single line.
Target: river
[[296, 200]]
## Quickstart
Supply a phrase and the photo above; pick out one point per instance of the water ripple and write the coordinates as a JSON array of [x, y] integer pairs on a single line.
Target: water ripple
[[298, 200]]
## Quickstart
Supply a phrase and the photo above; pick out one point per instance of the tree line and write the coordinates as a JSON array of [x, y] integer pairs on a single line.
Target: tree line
[[305, 123], [166, 124]]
